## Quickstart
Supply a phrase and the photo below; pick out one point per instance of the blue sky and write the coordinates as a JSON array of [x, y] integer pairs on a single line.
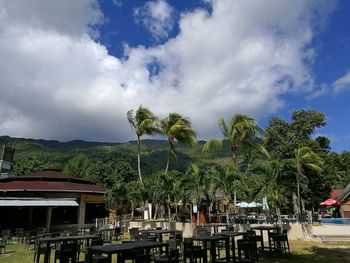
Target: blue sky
[[72, 69]]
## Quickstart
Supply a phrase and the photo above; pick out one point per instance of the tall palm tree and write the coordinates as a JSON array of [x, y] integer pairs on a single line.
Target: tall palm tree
[[241, 131], [198, 186], [224, 178], [271, 185], [304, 157], [176, 128], [144, 123]]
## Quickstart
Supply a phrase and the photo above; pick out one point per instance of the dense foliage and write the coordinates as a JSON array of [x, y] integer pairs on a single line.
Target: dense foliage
[[285, 163]]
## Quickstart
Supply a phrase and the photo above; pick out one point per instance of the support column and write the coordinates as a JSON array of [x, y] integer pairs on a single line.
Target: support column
[[48, 219], [81, 210]]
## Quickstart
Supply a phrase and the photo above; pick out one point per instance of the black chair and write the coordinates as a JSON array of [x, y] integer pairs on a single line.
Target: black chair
[[134, 233], [257, 239], [247, 251], [281, 243], [193, 252], [172, 257], [30, 239], [129, 255], [117, 233], [7, 232], [68, 253], [2, 246], [270, 236], [96, 258]]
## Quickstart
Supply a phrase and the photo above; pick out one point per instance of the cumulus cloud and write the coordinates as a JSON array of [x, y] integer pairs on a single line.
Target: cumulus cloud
[[58, 82], [157, 16], [342, 83]]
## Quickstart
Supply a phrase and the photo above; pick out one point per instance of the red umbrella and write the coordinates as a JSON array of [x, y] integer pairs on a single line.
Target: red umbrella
[[330, 202]]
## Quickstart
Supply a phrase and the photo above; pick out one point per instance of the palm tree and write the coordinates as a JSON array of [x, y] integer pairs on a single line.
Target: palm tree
[[197, 186], [144, 123], [304, 157], [224, 178], [176, 128], [242, 131], [271, 185]]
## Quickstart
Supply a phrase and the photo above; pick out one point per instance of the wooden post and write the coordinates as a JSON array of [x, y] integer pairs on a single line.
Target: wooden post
[[48, 219], [81, 210]]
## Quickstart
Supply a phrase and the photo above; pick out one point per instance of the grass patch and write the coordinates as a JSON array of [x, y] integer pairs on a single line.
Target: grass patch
[[302, 252]]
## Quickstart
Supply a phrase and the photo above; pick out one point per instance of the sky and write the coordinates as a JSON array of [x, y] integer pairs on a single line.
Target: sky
[[72, 69]]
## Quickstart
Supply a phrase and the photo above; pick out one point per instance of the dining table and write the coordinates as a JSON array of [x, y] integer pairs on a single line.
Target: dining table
[[117, 249], [213, 241], [46, 242], [268, 229], [232, 235]]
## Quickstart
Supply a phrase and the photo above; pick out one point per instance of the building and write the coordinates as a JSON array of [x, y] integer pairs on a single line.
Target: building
[[344, 199], [49, 199]]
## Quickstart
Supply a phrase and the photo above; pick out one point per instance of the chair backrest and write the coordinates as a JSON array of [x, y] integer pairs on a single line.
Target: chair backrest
[[97, 242], [188, 244], [134, 233], [68, 252]]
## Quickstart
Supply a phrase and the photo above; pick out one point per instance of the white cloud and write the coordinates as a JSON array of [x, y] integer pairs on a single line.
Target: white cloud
[[117, 3], [157, 17], [318, 92], [58, 82], [342, 83]]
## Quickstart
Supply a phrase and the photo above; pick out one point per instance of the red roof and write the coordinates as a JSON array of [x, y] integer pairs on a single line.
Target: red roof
[[49, 181], [335, 193]]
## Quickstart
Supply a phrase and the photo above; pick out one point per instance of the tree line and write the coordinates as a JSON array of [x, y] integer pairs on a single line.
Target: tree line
[[284, 162]]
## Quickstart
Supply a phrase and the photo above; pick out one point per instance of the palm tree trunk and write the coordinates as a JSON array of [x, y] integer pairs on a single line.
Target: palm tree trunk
[[155, 212], [298, 197], [132, 210], [139, 158], [168, 161], [278, 213]]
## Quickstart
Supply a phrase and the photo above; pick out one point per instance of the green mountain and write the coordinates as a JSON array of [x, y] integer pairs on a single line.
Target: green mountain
[[31, 154]]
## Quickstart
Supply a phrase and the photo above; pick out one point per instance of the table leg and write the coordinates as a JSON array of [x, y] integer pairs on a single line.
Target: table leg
[[233, 248], [47, 253], [262, 240], [213, 251], [205, 260], [227, 249]]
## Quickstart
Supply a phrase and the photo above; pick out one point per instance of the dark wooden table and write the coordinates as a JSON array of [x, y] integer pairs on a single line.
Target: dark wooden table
[[159, 232], [268, 229], [215, 226], [119, 248], [213, 241], [232, 235], [51, 240]]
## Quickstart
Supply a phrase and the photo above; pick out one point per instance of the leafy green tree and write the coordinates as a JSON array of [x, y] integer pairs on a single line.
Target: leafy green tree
[[135, 193], [304, 157], [28, 166], [241, 131], [144, 123], [176, 128], [226, 183], [198, 186], [273, 184], [282, 138], [77, 166]]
